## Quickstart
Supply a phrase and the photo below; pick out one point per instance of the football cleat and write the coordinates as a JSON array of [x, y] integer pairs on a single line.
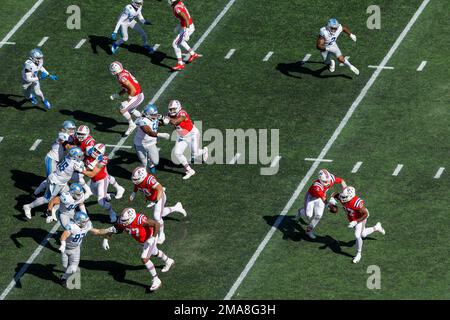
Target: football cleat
[[310, 233], [379, 228], [332, 66], [47, 104], [113, 217], [193, 57], [169, 263], [205, 154], [189, 174], [27, 210], [130, 129], [357, 258], [114, 48], [149, 49], [33, 100], [178, 67], [161, 238], [156, 284], [179, 208], [120, 191], [355, 70]]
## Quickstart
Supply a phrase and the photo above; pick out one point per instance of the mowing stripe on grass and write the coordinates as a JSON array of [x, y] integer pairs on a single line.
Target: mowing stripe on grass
[[381, 67], [324, 151], [422, 65], [20, 23], [35, 144], [44, 40], [268, 55], [230, 53], [317, 159], [439, 173], [80, 44], [397, 170], [235, 158], [356, 167]]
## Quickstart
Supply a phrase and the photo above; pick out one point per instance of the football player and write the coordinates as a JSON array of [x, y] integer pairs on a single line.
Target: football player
[[57, 181], [131, 86], [30, 77], [63, 207], [95, 164], [53, 157], [357, 215], [71, 240], [146, 232], [146, 137], [184, 31], [327, 45], [316, 200], [188, 136], [127, 19], [154, 192], [69, 127]]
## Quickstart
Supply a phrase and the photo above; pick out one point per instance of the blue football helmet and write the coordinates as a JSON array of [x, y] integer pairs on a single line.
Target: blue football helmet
[[36, 55], [332, 25], [76, 191], [69, 127], [150, 111], [76, 153], [81, 219]]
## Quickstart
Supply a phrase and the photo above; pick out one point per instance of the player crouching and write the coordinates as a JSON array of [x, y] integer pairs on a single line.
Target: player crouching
[[327, 45], [146, 232], [357, 215]]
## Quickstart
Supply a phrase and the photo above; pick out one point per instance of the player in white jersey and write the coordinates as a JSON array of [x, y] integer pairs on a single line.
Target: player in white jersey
[[30, 77], [71, 240], [146, 137], [127, 19], [327, 45], [63, 207], [57, 181]]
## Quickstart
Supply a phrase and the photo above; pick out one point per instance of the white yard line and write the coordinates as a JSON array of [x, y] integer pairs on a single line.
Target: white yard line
[[80, 44], [235, 158], [439, 173], [317, 159], [35, 144], [20, 23], [3, 43], [268, 55], [357, 166], [44, 40], [230, 53], [115, 145], [324, 151], [306, 58], [1, 139], [422, 65], [381, 67], [156, 46], [341, 64], [397, 170]]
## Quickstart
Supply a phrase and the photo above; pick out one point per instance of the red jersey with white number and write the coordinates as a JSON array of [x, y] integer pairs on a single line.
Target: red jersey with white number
[[136, 229], [352, 208], [125, 76], [103, 173], [185, 126], [85, 144], [318, 190], [146, 187], [181, 8]]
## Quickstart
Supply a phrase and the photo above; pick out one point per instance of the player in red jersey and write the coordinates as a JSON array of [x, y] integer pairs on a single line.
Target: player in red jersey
[[316, 200], [188, 136], [131, 86], [96, 162], [154, 192], [184, 31], [357, 215], [145, 231]]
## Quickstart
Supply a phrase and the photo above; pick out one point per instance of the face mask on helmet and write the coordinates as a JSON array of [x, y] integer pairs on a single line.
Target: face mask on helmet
[[36, 55], [347, 194], [150, 111], [115, 68], [82, 133], [324, 177], [69, 127], [138, 175], [171, 2], [81, 219], [174, 107], [97, 150], [137, 3], [127, 216], [332, 25], [76, 153], [76, 191]]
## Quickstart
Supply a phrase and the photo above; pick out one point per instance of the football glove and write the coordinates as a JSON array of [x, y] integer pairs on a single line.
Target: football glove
[[105, 244], [166, 120], [332, 201], [114, 96], [164, 135], [114, 36], [43, 75], [352, 224], [53, 77], [62, 248], [353, 37]]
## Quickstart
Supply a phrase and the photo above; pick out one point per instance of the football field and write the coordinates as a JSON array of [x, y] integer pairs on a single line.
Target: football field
[[385, 132]]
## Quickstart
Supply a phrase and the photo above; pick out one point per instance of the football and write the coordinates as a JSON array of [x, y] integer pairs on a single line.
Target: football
[[333, 208]]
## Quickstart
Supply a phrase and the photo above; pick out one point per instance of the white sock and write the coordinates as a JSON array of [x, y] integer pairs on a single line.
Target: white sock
[[38, 202], [347, 63], [151, 268], [162, 256], [41, 187]]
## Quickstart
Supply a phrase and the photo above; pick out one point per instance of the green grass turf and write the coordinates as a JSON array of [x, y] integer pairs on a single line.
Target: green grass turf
[[232, 207]]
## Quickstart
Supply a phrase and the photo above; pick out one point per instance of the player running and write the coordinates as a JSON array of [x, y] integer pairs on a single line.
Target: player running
[[30, 77], [316, 200], [357, 215], [57, 181], [188, 136], [155, 194], [63, 207], [71, 240], [146, 232], [129, 85], [146, 137], [184, 31], [327, 45], [127, 19]]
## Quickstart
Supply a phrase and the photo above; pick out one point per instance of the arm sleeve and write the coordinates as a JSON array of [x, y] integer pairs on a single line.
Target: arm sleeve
[[44, 70], [121, 20], [141, 18]]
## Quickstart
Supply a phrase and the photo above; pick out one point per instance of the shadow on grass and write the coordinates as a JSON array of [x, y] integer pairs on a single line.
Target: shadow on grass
[[290, 69]]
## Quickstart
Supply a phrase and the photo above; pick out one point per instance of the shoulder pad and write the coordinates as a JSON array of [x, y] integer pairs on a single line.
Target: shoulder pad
[[66, 198]]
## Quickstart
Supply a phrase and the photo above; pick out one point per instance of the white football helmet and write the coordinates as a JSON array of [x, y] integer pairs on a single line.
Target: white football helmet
[[325, 177], [347, 194], [115, 68], [138, 175], [127, 216], [174, 107], [36, 55], [171, 2], [82, 132], [332, 25], [97, 150], [62, 136], [137, 3]]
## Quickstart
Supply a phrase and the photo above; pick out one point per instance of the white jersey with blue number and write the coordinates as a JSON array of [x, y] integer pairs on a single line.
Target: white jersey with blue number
[[30, 66], [141, 138], [130, 13], [64, 171], [57, 151], [68, 204], [330, 38], [76, 234]]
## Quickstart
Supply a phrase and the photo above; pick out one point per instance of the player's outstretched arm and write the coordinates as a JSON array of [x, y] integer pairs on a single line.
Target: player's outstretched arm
[[129, 86], [52, 203], [347, 31], [159, 188]]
